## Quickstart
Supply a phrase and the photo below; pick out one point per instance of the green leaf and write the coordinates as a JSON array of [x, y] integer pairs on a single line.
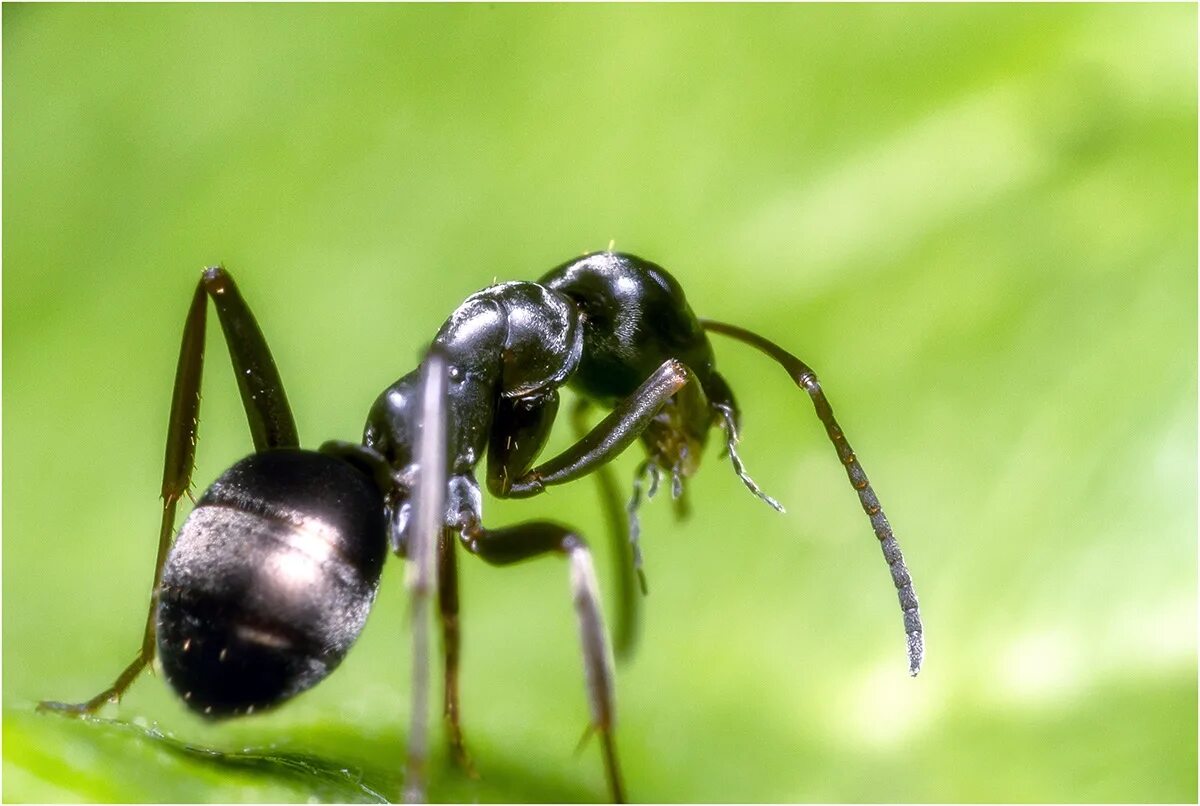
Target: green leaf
[[977, 224]]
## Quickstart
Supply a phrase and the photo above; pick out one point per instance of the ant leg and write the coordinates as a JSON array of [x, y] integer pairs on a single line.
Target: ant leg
[[429, 500], [263, 398], [621, 542], [610, 436], [448, 611], [520, 428], [267, 412], [803, 376], [533, 538]]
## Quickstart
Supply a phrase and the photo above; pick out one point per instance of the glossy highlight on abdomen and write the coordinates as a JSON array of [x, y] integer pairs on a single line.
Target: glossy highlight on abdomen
[[264, 593]]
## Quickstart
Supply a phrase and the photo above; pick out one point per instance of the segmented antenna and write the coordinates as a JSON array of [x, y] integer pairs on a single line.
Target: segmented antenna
[[806, 379]]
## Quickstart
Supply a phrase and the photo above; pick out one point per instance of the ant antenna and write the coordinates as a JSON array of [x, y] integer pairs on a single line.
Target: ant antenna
[[803, 376]]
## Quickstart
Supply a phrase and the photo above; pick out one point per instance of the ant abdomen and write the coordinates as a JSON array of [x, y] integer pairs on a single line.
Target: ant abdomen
[[269, 581]]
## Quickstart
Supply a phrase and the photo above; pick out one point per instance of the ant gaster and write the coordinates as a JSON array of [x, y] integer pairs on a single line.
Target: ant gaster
[[271, 576]]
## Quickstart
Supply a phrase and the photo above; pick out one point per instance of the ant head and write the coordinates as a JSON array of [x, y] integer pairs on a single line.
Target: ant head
[[270, 580]]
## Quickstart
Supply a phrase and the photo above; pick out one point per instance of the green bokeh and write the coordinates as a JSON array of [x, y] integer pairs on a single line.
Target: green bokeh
[[977, 223]]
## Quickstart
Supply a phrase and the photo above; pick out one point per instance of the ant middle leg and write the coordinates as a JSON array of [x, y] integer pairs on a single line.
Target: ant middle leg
[[534, 538], [267, 413], [519, 432], [623, 550]]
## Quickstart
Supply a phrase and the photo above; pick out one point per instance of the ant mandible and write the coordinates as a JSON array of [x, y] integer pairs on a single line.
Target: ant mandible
[[272, 574]]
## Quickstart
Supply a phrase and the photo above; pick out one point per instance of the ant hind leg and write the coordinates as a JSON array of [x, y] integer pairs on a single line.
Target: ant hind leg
[[267, 413], [623, 546], [429, 500], [448, 612]]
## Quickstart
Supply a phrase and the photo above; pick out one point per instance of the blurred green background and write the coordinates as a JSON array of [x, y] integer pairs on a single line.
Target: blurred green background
[[977, 223]]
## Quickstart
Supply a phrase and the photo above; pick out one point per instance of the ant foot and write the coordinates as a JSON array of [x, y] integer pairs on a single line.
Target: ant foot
[[78, 709]]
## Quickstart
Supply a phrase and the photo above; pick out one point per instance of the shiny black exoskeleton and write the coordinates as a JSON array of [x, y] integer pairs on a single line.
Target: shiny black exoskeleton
[[269, 580], [271, 576], [606, 325]]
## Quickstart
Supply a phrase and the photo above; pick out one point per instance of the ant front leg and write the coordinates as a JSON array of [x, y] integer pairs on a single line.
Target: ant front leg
[[624, 424], [519, 432], [267, 412], [534, 538], [520, 428]]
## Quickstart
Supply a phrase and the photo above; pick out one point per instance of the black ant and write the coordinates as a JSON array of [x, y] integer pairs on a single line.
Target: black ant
[[272, 574]]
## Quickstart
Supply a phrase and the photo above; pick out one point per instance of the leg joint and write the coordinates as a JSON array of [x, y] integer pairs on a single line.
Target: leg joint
[[215, 279]]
